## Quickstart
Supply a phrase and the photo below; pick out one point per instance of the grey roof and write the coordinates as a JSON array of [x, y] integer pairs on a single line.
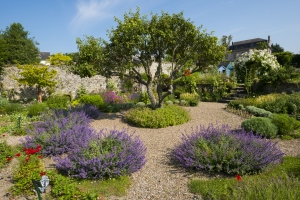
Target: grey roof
[[249, 41], [44, 55]]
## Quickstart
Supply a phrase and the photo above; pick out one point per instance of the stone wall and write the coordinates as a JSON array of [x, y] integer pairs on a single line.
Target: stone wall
[[67, 84]]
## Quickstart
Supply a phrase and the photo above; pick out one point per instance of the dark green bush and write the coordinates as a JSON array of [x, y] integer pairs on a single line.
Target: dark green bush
[[94, 99], [258, 111], [57, 101], [159, 118], [286, 125], [13, 108], [112, 108], [260, 126], [36, 109]]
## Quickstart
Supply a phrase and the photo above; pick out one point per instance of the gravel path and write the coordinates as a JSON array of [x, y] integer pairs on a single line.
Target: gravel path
[[159, 179]]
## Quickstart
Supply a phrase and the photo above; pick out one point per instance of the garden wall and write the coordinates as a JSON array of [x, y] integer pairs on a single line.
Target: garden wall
[[284, 87]]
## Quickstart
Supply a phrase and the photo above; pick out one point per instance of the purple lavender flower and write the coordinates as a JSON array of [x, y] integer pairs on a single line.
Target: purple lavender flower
[[113, 153], [227, 150]]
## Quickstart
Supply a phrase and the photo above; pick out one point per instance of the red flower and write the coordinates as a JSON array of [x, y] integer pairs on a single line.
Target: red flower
[[42, 173], [39, 146], [187, 72], [27, 159], [25, 149], [18, 154], [8, 159], [238, 177], [3, 135], [40, 156]]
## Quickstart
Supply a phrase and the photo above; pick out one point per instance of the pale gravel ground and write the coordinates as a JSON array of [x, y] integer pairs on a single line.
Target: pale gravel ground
[[160, 179]]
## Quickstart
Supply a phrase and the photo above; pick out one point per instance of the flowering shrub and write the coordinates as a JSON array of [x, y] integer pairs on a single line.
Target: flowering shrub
[[112, 98], [111, 154], [59, 132], [90, 110], [223, 149], [255, 63]]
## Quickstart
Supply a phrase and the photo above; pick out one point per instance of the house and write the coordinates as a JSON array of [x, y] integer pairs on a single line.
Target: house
[[240, 47], [44, 55]]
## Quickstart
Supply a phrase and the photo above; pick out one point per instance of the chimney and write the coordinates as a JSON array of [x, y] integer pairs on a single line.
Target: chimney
[[269, 39], [231, 43]]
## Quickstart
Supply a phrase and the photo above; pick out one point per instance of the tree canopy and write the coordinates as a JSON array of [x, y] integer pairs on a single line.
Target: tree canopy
[[138, 41], [17, 47], [89, 56], [37, 75], [276, 48]]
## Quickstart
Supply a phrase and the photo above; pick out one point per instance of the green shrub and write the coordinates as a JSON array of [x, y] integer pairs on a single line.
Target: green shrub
[[261, 126], [3, 102], [192, 98], [258, 111], [159, 118], [140, 104], [36, 109], [94, 99], [5, 152], [145, 98], [14, 108], [169, 102], [176, 101], [184, 102], [286, 125], [245, 102], [57, 101], [112, 108]]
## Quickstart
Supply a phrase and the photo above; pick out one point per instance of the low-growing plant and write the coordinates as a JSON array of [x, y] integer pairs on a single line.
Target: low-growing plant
[[259, 112], [6, 151], [57, 101], [36, 109], [12, 108], [221, 149], [111, 97], [112, 154], [169, 102], [59, 132], [192, 98], [140, 104], [95, 100], [159, 118], [184, 102], [286, 125], [90, 110], [260, 126]]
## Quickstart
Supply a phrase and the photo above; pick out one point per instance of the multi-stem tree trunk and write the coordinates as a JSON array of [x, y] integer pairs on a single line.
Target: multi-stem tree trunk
[[151, 95], [40, 94]]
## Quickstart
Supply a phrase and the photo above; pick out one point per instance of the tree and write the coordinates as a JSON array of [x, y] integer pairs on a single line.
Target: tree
[[89, 56], [284, 58], [137, 42], [59, 59], [18, 47], [277, 48], [37, 75]]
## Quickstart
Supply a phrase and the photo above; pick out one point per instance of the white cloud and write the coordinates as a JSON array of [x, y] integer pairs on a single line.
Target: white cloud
[[92, 11]]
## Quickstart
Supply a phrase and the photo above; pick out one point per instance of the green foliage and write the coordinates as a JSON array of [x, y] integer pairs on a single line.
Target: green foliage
[[145, 98], [286, 125], [284, 58], [24, 174], [81, 91], [260, 126], [59, 59], [159, 118], [181, 43], [90, 55], [276, 48], [112, 108], [169, 102], [192, 98], [184, 103], [58, 101], [140, 104], [5, 151], [93, 99], [17, 47], [258, 111], [280, 183], [63, 187], [12, 108]]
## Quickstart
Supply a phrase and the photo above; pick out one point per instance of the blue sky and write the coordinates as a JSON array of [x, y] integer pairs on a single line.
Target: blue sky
[[55, 24]]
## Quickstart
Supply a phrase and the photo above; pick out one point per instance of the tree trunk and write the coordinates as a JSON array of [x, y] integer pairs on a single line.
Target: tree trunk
[[151, 96], [40, 95]]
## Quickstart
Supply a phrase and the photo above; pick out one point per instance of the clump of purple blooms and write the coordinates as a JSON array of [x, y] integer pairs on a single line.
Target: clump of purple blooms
[[222, 149], [90, 110], [88, 154], [60, 131], [112, 98], [111, 154]]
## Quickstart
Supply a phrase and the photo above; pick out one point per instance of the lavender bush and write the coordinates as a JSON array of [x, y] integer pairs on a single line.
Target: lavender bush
[[90, 110], [60, 131], [113, 153], [223, 149]]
